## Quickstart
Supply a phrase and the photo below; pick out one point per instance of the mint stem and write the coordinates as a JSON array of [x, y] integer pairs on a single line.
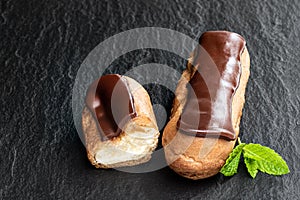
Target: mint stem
[[239, 140]]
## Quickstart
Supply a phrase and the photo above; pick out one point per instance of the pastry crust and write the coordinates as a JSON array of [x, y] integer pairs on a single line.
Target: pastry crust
[[197, 157], [134, 145]]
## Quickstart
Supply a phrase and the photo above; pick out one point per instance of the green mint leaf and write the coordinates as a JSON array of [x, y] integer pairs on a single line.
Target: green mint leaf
[[231, 166], [252, 166], [267, 160]]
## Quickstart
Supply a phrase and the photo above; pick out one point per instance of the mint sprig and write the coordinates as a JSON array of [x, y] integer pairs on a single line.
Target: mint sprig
[[252, 166], [231, 166], [256, 157]]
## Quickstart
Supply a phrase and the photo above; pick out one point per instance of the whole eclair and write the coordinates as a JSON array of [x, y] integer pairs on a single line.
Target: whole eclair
[[207, 108], [118, 123]]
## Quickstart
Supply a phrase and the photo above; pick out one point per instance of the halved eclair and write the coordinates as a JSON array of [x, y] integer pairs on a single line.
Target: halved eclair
[[118, 123], [207, 108]]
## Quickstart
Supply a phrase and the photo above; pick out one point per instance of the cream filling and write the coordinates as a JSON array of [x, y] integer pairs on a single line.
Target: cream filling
[[135, 143]]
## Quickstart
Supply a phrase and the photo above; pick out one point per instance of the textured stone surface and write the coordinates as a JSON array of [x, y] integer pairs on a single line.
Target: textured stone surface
[[42, 46]]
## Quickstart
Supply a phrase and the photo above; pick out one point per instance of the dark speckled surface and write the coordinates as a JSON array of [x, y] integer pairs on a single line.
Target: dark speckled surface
[[43, 44]]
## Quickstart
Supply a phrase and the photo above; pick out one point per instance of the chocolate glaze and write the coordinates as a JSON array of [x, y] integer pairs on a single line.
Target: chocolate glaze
[[208, 107], [111, 103]]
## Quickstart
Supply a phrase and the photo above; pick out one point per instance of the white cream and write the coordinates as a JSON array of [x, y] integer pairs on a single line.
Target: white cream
[[134, 144]]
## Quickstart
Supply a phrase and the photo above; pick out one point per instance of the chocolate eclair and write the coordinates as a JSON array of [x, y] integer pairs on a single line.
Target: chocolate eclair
[[118, 122], [207, 108]]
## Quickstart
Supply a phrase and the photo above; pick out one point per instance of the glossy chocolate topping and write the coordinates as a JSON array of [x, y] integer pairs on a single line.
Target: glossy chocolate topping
[[111, 103], [207, 111]]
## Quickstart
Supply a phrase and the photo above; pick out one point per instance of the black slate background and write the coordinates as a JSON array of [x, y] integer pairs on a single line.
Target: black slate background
[[42, 46]]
